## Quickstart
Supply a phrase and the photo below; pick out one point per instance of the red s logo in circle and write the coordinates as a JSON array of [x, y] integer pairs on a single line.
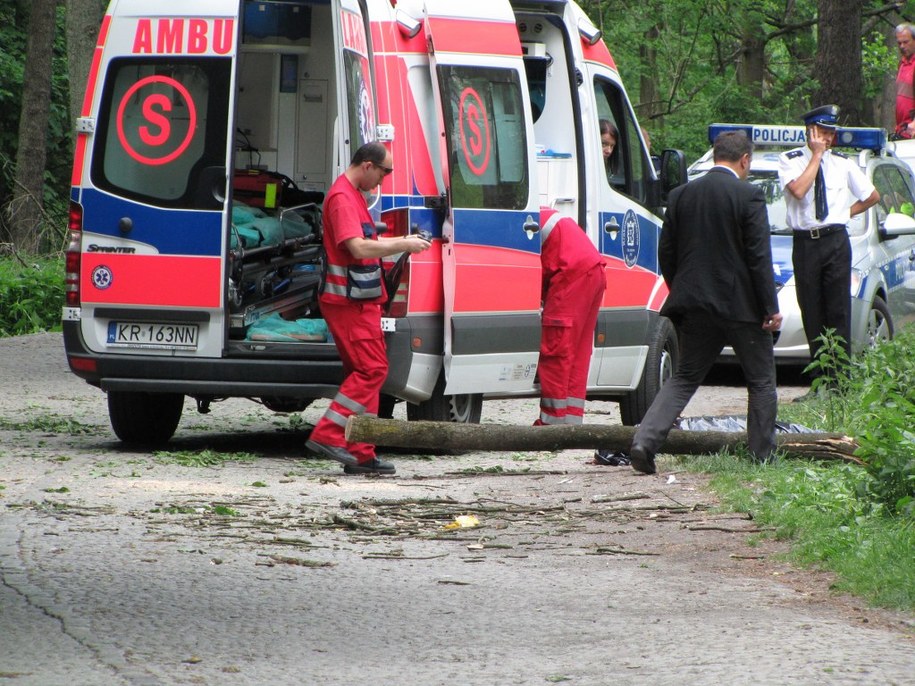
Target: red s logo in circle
[[156, 131], [474, 128]]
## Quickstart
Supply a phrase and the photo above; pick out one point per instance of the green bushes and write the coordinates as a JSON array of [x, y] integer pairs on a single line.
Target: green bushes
[[31, 295], [882, 391], [872, 398]]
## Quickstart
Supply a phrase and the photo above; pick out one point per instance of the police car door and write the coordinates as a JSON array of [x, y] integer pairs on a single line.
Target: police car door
[[491, 263], [627, 230], [355, 92]]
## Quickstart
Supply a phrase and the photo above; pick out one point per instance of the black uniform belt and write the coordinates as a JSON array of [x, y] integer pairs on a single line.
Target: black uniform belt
[[820, 231]]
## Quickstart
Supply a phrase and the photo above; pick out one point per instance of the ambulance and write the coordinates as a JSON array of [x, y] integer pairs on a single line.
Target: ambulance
[[210, 132]]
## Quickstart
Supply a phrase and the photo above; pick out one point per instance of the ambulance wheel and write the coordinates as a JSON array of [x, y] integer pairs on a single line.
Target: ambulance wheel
[[145, 419], [660, 365], [462, 409]]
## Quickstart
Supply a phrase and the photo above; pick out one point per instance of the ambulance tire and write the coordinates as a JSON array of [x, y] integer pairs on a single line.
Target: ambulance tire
[[461, 409], [660, 365], [144, 419]]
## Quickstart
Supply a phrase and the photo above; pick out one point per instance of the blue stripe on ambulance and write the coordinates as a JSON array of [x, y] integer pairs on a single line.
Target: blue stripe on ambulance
[[171, 231]]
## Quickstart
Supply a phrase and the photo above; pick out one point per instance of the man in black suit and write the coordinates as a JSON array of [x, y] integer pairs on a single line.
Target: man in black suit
[[716, 258]]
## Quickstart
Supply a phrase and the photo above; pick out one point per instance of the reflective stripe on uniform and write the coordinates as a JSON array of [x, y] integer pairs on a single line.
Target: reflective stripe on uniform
[[548, 227], [349, 403]]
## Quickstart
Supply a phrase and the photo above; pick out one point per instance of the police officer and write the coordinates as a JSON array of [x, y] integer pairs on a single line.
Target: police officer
[[823, 190]]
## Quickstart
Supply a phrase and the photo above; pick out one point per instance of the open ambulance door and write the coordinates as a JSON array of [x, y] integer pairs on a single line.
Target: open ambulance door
[[355, 123], [491, 249]]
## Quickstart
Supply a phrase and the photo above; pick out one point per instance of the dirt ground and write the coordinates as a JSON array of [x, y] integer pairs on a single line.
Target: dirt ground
[[126, 568]]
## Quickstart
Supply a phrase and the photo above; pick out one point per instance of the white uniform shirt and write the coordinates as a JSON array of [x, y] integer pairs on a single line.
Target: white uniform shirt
[[845, 183]]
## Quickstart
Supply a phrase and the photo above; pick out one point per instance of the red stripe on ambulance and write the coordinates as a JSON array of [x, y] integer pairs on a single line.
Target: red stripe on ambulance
[[476, 36], [112, 279], [497, 280]]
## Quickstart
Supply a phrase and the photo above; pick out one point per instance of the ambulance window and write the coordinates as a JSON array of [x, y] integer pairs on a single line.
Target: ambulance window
[[630, 171], [487, 141], [162, 130], [361, 112]]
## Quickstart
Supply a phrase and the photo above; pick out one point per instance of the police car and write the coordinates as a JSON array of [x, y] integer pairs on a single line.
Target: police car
[[882, 238]]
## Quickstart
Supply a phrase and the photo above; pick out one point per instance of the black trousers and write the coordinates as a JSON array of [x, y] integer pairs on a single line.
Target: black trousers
[[822, 273], [702, 336]]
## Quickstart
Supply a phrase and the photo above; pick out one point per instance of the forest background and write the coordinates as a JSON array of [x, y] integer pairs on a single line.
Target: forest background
[[685, 63]]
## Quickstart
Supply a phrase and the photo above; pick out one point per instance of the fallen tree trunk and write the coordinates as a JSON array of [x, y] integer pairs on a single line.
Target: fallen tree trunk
[[501, 437]]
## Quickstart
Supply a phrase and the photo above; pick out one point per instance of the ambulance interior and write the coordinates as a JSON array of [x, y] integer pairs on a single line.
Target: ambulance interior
[[543, 46], [284, 163]]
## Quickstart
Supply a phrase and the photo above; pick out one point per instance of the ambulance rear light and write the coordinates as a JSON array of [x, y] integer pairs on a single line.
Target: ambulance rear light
[[396, 221], [859, 138], [71, 277]]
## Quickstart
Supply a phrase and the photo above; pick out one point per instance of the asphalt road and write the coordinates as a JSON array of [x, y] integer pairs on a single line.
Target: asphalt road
[[121, 567]]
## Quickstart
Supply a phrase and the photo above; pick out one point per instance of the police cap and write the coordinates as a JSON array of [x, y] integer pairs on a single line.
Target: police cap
[[826, 116]]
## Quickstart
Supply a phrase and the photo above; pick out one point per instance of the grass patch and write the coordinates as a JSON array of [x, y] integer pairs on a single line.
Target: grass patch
[[201, 458], [817, 509], [50, 424]]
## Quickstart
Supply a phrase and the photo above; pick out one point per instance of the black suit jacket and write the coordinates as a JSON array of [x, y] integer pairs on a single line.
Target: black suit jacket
[[714, 250]]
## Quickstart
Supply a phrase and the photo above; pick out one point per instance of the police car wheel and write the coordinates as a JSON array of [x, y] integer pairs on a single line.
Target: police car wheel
[[145, 419], [660, 365], [879, 323]]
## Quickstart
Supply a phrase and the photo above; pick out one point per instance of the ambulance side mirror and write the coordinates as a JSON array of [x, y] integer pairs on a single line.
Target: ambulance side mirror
[[672, 172]]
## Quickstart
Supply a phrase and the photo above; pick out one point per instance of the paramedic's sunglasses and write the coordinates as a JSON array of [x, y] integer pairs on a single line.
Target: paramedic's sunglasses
[[385, 170]]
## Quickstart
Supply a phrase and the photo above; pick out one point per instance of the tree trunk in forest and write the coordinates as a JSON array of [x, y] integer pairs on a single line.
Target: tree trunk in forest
[[500, 437], [83, 20], [26, 209], [751, 69], [837, 65], [648, 82]]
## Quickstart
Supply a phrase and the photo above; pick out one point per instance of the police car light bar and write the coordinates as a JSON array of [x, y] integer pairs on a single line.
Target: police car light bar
[[860, 138]]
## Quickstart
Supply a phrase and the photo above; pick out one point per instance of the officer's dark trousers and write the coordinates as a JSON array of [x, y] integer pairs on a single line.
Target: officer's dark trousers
[[702, 336], [822, 272]]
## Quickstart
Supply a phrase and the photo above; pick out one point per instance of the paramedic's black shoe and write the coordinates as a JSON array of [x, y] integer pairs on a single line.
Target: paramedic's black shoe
[[642, 460], [373, 466], [332, 452]]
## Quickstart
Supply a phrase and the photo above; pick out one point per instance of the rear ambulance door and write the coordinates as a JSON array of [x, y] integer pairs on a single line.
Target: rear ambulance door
[[490, 255], [355, 91], [152, 179]]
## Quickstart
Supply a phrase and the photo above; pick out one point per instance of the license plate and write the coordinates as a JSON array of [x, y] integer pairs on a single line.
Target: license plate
[[151, 335]]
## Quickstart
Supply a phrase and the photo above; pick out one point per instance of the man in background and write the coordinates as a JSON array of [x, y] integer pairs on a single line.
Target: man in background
[[905, 82]]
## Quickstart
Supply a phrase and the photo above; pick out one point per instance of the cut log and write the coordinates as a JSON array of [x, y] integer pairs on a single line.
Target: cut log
[[451, 436]]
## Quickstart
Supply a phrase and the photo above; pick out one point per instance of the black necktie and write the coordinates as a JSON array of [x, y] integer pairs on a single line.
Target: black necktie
[[819, 195]]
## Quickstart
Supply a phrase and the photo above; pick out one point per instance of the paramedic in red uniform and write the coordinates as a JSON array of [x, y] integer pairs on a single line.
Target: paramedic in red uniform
[[572, 289], [351, 304]]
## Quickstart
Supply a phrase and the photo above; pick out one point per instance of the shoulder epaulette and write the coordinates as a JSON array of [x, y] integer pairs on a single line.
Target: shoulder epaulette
[[840, 154], [791, 154]]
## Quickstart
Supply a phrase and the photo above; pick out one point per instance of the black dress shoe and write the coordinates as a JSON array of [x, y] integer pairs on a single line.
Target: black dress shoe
[[332, 452], [373, 466], [642, 460]]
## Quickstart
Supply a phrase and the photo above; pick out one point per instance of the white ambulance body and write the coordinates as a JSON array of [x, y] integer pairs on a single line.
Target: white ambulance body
[[211, 130]]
